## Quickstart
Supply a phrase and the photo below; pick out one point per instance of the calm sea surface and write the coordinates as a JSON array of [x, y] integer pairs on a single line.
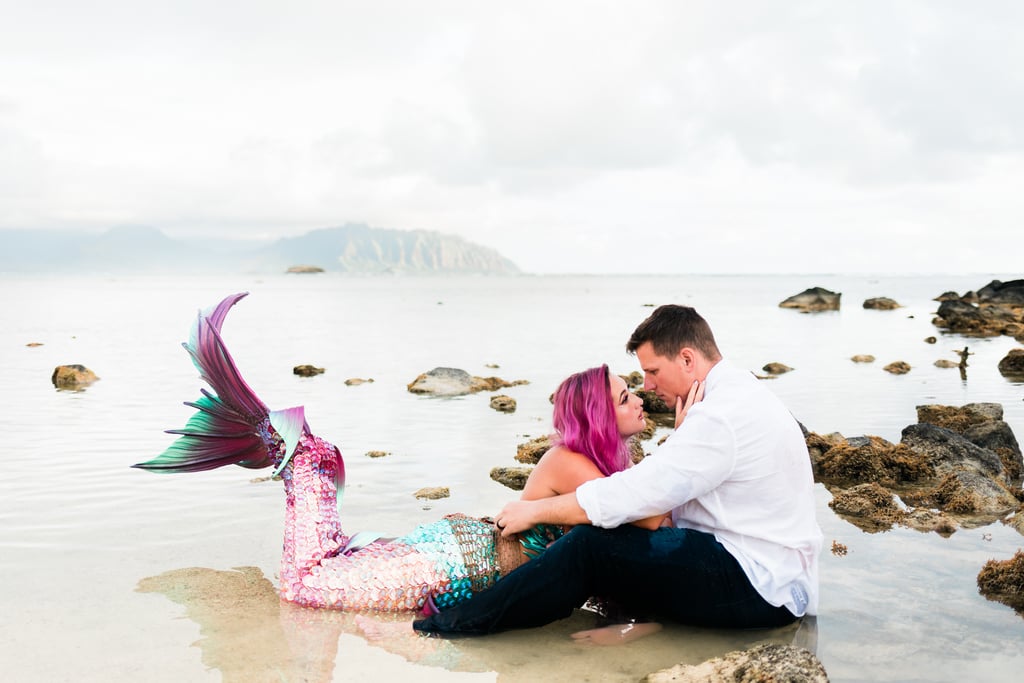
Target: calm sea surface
[[111, 573]]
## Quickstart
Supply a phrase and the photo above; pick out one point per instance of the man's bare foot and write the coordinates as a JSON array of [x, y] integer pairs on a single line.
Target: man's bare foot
[[616, 634]]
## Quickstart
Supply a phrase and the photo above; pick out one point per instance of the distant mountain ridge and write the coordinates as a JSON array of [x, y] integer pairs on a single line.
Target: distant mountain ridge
[[351, 248]]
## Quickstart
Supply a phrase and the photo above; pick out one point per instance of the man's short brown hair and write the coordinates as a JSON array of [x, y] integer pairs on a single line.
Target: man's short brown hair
[[671, 328]]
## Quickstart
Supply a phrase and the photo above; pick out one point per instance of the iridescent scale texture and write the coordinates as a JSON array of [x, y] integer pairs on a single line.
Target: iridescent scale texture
[[446, 560]]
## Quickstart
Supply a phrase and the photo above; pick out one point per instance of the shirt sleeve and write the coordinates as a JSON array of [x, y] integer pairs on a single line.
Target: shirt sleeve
[[695, 459]]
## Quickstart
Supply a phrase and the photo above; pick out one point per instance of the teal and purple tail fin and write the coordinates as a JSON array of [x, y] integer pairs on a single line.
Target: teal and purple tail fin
[[229, 426]]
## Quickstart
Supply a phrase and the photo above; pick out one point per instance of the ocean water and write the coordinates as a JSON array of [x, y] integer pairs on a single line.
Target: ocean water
[[111, 573]]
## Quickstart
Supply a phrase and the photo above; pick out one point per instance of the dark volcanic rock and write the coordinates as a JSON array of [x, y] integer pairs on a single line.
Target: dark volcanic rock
[[813, 299]]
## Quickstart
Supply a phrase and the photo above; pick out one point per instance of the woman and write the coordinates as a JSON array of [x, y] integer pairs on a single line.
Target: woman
[[435, 566]]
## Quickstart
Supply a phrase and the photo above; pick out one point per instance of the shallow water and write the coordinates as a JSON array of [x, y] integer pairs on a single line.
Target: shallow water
[[113, 573]]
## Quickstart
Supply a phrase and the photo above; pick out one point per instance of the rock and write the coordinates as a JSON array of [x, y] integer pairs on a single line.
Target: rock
[[432, 492], [305, 269], [377, 454], [75, 377], [530, 452], [33, 345], [944, 363], [863, 358], [996, 292], [949, 452], [868, 460], [997, 437], [947, 296], [307, 370], [926, 520], [654, 404], [512, 477], [634, 379], [959, 418], [776, 369], [930, 340], [760, 664], [967, 492], [503, 404], [636, 451], [869, 507], [356, 381], [999, 310], [897, 367], [1012, 365], [881, 303], [1003, 581], [456, 382], [813, 299], [956, 466]]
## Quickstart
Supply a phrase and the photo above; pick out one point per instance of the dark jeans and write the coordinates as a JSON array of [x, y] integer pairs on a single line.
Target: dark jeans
[[677, 574]]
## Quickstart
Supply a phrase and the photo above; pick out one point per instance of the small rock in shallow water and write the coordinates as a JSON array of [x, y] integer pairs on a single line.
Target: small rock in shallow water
[[307, 370], [433, 492], [512, 477], [898, 367], [503, 404], [863, 358], [73, 377], [776, 368]]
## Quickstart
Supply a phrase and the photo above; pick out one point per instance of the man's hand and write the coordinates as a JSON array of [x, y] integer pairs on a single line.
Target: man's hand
[[520, 515], [694, 395], [516, 516]]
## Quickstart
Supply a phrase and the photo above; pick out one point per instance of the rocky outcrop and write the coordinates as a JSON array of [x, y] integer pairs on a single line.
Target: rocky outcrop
[[1012, 365], [997, 309], [760, 664], [957, 466], [456, 382], [304, 269], [72, 377], [812, 300], [307, 370], [863, 358], [1003, 581]]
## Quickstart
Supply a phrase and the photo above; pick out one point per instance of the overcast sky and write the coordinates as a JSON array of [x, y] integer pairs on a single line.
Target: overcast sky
[[633, 136]]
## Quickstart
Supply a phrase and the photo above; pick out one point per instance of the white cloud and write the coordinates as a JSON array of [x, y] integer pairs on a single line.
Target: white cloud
[[571, 136]]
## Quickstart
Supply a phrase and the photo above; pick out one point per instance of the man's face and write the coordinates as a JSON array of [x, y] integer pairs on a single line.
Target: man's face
[[667, 377]]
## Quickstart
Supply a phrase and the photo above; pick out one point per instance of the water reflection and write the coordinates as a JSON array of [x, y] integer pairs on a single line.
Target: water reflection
[[249, 634]]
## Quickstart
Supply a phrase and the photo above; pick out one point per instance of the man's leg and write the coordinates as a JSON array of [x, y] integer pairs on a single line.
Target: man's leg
[[681, 574]]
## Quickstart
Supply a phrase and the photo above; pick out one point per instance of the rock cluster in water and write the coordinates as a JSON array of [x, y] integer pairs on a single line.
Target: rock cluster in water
[[995, 309], [956, 466]]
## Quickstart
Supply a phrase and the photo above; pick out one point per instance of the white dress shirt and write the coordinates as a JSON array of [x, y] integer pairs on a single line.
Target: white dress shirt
[[737, 468]]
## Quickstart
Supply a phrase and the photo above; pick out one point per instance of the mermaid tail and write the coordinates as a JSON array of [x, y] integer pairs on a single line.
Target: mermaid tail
[[441, 563]]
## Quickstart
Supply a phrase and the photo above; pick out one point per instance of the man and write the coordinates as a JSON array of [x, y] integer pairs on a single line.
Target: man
[[742, 549]]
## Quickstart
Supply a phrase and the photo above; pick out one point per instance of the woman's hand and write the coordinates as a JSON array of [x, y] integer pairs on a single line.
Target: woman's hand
[[694, 395]]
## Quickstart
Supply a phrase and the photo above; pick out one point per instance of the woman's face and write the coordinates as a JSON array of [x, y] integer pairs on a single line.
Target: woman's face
[[629, 408]]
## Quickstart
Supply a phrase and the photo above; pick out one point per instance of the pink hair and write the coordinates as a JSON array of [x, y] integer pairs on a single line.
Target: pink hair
[[585, 422]]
